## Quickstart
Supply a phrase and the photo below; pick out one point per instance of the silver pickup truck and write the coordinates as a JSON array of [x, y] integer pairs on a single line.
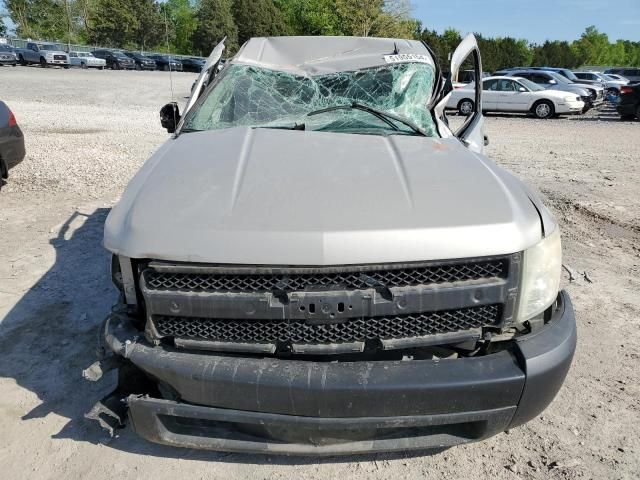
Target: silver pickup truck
[[316, 264], [44, 54]]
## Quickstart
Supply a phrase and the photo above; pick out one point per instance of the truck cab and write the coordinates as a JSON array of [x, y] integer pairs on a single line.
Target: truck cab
[[315, 263]]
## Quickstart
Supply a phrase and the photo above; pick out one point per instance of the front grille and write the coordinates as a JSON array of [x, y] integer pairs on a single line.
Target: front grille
[[59, 57], [353, 330], [358, 278]]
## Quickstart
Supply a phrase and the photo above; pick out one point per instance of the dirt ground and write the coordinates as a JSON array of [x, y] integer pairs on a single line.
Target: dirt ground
[[89, 131]]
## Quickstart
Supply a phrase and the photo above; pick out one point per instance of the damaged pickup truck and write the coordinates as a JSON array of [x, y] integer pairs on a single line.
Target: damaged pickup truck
[[316, 264]]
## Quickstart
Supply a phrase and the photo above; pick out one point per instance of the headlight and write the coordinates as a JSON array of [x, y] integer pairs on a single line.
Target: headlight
[[48, 55], [541, 270]]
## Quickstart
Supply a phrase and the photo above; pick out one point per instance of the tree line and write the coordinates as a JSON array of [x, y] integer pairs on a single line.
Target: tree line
[[193, 27]]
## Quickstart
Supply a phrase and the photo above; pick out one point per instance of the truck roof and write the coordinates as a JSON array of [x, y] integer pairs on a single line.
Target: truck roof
[[324, 55]]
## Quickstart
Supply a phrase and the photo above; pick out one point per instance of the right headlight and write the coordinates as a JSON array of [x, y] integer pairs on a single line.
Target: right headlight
[[541, 270]]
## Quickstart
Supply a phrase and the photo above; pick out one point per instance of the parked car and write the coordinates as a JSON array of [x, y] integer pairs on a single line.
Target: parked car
[[192, 64], [115, 60], [12, 150], [632, 74], [629, 102], [348, 276], [591, 96], [469, 76], [166, 63], [86, 60], [142, 61], [611, 86], [509, 94], [44, 54], [8, 55], [613, 76]]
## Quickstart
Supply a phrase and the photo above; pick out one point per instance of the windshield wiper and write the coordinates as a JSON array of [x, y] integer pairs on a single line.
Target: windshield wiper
[[295, 126], [386, 117]]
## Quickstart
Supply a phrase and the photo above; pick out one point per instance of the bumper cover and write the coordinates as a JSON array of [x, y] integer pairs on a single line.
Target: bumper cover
[[308, 408]]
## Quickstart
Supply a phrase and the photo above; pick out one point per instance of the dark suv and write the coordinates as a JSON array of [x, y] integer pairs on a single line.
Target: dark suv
[[115, 60], [166, 63], [629, 101], [142, 62]]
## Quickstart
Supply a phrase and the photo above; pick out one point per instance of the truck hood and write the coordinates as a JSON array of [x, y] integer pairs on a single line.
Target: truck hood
[[264, 196]]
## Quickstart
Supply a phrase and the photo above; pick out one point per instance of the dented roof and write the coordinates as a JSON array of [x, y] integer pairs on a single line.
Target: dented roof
[[323, 55]]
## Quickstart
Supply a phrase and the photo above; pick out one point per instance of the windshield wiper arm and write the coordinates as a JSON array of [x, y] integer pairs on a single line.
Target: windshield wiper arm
[[295, 126], [386, 117]]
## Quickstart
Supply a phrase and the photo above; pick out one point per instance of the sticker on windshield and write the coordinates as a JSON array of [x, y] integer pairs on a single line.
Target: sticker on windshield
[[408, 57]]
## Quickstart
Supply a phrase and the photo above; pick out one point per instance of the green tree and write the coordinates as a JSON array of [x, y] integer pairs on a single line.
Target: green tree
[[114, 23], [593, 47], [150, 27], [183, 23], [310, 17], [215, 21], [258, 18], [556, 53], [44, 19]]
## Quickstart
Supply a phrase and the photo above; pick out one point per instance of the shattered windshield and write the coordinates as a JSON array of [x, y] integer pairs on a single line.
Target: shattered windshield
[[249, 96]]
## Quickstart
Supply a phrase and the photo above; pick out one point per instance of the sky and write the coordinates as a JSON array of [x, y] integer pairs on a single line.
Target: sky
[[534, 20]]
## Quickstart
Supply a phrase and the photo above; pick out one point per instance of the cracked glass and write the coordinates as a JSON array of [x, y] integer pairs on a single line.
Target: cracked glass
[[249, 96]]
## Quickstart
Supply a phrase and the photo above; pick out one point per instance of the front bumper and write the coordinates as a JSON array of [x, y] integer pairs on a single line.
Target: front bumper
[[232, 403], [570, 107]]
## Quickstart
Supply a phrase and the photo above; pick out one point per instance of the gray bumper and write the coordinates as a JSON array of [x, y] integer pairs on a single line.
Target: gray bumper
[[308, 408]]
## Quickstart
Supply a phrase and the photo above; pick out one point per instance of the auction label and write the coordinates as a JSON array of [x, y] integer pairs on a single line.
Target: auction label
[[408, 57]]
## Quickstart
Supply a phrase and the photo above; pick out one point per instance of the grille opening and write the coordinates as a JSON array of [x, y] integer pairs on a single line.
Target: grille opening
[[303, 434], [284, 332]]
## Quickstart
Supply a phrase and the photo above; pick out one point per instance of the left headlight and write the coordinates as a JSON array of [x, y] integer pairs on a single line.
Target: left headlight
[[541, 270]]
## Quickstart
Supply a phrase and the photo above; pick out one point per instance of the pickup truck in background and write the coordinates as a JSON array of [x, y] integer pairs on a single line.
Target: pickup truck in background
[[44, 54]]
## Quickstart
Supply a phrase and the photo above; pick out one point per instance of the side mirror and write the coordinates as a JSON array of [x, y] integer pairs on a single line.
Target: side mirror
[[522, 89], [170, 116]]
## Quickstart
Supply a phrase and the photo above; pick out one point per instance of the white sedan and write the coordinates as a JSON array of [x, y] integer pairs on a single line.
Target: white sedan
[[514, 94], [86, 60]]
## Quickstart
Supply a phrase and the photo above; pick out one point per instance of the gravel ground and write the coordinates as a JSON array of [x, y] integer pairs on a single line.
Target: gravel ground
[[89, 131]]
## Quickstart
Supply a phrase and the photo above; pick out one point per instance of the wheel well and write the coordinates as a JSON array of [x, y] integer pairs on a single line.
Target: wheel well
[[543, 100], [465, 100]]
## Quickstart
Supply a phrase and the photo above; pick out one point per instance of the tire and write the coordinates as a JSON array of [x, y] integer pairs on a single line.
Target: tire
[[638, 113], [101, 68], [22, 61], [138, 67], [43, 62], [544, 109], [83, 66], [66, 67], [465, 107]]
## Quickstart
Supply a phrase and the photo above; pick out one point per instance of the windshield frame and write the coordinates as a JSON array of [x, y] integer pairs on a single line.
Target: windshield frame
[[219, 77]]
